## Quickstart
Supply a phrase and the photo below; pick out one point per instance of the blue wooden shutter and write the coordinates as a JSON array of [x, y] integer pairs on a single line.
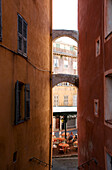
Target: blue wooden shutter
[[17, 103], [27, 101], [0, 21]]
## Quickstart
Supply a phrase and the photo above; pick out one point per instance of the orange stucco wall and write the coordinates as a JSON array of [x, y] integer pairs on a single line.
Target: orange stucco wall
[[30, 138]]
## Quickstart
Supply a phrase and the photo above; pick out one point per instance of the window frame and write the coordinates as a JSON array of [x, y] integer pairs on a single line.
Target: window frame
[[71, 48], [96, 112], [21, 96], [107, 74], [56, 62], [107, 36], [65, 65], [21, 35], [74, 65], [75, 100], [66, 100], [107, 151], [96, 43], [55, 100], [57, 45]]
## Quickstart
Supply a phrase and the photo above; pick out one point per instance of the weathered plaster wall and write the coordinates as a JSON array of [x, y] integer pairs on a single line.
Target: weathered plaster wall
[[30, 138], [91, 129]]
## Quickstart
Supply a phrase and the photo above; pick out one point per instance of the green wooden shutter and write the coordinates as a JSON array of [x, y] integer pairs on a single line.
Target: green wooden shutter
[[27, 101], [17, 103], [0, 21]]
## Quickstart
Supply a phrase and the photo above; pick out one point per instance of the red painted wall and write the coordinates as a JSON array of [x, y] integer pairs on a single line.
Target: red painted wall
[[94, 135]]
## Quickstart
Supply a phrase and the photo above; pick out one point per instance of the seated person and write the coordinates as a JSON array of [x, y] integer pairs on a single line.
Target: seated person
[[70, 138]]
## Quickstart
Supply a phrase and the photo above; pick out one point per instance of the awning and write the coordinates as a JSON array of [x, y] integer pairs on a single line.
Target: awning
[[61, 111]]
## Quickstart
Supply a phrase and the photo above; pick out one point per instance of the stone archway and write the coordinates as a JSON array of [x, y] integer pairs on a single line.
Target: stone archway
[[68, 33], [59, 78]]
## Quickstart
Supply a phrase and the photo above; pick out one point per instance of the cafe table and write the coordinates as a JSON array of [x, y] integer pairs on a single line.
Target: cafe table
[[64, 146]]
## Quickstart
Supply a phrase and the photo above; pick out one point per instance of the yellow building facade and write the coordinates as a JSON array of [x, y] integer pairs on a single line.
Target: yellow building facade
[[65, 62], [65, 95]]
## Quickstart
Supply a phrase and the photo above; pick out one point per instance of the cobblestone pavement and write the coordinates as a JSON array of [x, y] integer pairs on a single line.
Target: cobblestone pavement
[[69, 163]]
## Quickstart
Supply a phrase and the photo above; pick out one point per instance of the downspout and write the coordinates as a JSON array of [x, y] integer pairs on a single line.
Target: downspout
[[50, 79]]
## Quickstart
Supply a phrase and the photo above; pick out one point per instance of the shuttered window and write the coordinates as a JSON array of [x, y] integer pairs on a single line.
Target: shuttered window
[[17, 103], [0, 21], [56, 100], [65, 100], [22, 102], [27, 101], [74, 100], [22, 36]]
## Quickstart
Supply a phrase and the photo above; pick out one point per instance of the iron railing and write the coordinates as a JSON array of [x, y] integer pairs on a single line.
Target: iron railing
[[87, 163], [33, 159]]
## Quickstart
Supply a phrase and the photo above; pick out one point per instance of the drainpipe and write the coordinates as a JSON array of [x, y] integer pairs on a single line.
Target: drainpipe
[[50, 104]]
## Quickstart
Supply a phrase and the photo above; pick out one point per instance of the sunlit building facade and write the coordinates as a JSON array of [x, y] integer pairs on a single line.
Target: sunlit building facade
[[64, 94]]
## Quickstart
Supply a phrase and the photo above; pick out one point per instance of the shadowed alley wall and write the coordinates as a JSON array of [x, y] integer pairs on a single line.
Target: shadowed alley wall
[[30, 138], [95, 64]]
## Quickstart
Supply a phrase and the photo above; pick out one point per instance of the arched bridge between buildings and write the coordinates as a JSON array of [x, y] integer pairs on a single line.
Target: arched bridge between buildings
[[59, 78], [68, 33]]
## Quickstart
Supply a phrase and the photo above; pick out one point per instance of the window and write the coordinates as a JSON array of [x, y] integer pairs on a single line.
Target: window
[[0, 21], [57, 45], [108, 161], [97, 46], [66, 47], [15, 156], [65, 84], [108, 97], [96, 107], [22, 102], [74, 65], [65, 63], [56, 100], [54, 45], [65, 100], [62, 46], [60, 84], [74, 100], [22, 36], [108, 18], [71, 48], [56, 63]]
